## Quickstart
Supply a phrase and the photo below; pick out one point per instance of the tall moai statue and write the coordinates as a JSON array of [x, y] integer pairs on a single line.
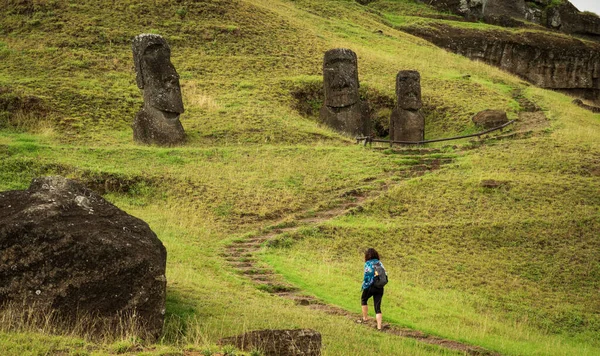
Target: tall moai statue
[[343, 110], [406, 122], [158, 121]]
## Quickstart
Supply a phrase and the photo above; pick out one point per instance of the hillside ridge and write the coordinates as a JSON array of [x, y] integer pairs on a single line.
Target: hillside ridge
[[498, 250]]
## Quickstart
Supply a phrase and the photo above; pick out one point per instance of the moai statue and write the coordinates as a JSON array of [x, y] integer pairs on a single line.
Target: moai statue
[[407, 123], [343, 110], [158, 121]]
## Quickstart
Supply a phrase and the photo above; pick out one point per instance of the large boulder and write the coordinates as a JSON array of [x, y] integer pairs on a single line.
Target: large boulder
[[302, 342], [65, 249], [489, 119]]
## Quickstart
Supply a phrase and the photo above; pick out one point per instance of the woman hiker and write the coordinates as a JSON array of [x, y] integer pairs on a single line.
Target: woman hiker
[[369, 290]]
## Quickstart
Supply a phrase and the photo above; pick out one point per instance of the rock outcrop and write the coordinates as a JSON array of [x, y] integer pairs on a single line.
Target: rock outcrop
[[581, 104], [564, 17], [544, 59], [478, 9], [66, 250], [567, 18], [303, 342]]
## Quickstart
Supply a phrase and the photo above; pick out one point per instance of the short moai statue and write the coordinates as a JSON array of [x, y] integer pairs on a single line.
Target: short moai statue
[[158, 121], [343, 110], [406, 122]]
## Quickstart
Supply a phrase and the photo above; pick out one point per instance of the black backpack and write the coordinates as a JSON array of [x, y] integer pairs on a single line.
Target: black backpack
[[381, 277]]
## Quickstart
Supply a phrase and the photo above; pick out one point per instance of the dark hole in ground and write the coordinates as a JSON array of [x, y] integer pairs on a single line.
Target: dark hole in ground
[[20, 111], [103, 182]]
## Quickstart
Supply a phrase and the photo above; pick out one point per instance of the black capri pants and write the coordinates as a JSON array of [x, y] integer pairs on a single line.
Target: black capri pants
[[376, 293]]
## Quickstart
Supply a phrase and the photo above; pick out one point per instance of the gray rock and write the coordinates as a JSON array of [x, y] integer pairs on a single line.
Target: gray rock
[[534, 15], [158, 121], [567, 18], [510, 8], [468, 8], [304, 342], [343, 110], [65, 249], [489, 119], [554, 20]]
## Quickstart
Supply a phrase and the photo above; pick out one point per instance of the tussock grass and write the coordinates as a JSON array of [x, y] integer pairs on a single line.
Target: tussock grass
[[24, 329], [19, 318]]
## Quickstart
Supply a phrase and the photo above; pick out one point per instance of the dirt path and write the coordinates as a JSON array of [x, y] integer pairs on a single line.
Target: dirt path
[[532, 120], [241, 254]]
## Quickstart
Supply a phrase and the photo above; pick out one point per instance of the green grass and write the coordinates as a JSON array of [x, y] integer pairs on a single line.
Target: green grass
[[513, 269], [520, 260]]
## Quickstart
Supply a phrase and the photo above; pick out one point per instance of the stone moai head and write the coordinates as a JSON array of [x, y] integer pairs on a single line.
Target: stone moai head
[[408, 90], [406, 122], [156, 75], [340, 77]]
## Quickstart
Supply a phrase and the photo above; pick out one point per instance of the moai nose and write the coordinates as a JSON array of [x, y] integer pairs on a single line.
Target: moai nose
[[341, 82]]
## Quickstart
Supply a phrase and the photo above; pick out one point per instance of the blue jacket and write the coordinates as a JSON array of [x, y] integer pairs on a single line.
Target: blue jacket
[[369, 273]]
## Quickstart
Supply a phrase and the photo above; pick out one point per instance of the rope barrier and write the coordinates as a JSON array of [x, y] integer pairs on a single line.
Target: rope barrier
[[369, 139]]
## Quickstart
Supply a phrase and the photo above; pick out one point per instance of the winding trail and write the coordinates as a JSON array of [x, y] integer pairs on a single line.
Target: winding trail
[[242, 254]]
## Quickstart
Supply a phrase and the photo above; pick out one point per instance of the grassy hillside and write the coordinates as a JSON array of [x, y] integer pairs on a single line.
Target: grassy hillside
[[515, 269]]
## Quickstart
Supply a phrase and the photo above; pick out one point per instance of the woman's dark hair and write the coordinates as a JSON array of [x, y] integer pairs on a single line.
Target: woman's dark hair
[[370, 254]]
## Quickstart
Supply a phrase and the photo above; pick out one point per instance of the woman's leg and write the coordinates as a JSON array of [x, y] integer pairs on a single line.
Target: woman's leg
[[363, 301], [365, 311], [377, 296]]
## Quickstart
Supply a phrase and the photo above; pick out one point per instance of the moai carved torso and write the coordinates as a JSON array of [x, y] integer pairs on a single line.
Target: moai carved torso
[[343, 110], [407, 123], [158, 121]]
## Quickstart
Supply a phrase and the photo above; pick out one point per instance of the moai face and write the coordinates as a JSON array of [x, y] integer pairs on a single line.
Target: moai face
[[408, 90], [156, 75], [340, 77]]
